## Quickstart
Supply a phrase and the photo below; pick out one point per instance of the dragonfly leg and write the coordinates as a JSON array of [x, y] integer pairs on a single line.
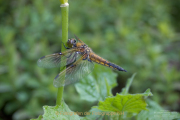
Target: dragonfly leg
[[65, 46]]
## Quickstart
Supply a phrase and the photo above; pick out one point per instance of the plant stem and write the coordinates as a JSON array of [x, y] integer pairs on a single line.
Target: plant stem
[[64, 11]]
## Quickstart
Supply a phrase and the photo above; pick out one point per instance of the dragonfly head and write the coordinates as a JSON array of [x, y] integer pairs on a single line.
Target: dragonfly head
[[71, 42]]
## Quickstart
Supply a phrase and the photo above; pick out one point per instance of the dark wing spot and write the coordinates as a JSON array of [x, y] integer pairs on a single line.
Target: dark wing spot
[[72, 65], [56, 76], [42, 57]]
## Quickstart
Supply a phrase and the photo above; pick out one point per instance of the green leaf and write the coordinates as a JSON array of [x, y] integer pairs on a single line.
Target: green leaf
[[61, 112], [132, 103], [98, 84], [155, 112], [94, 114], [128, 84]]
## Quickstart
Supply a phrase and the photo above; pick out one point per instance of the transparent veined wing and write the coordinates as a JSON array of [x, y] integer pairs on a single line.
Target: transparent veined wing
[[73, 73], [78, 39], [58, 59]]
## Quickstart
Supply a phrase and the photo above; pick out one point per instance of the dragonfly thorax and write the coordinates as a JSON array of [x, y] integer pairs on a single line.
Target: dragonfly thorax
[[88, 50]]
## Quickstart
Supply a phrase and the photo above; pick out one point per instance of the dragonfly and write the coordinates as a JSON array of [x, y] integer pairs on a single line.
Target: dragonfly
[[78, 59]]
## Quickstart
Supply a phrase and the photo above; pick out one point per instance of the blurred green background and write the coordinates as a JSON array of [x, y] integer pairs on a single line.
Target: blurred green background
[[141, 36]]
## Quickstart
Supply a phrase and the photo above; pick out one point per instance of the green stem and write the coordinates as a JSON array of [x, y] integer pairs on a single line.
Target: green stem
[[64, 11]]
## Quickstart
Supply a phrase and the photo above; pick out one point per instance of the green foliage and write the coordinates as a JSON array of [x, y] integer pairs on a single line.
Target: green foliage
[[114, 106], [155, 112], [128, 84], [59, 112], [125, 103], [95, 115], [141, 36], [97, 85]]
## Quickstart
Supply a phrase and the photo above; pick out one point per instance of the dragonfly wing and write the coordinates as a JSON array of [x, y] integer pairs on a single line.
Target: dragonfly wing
[[78, 39], [57, 59], [75, 72]]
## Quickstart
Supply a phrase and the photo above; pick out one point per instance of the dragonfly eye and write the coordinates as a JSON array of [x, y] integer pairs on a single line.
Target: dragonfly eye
[[74, 41]]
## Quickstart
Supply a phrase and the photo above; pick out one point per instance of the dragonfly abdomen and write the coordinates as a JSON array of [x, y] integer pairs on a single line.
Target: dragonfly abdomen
[[116, 67], [99, 60]]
